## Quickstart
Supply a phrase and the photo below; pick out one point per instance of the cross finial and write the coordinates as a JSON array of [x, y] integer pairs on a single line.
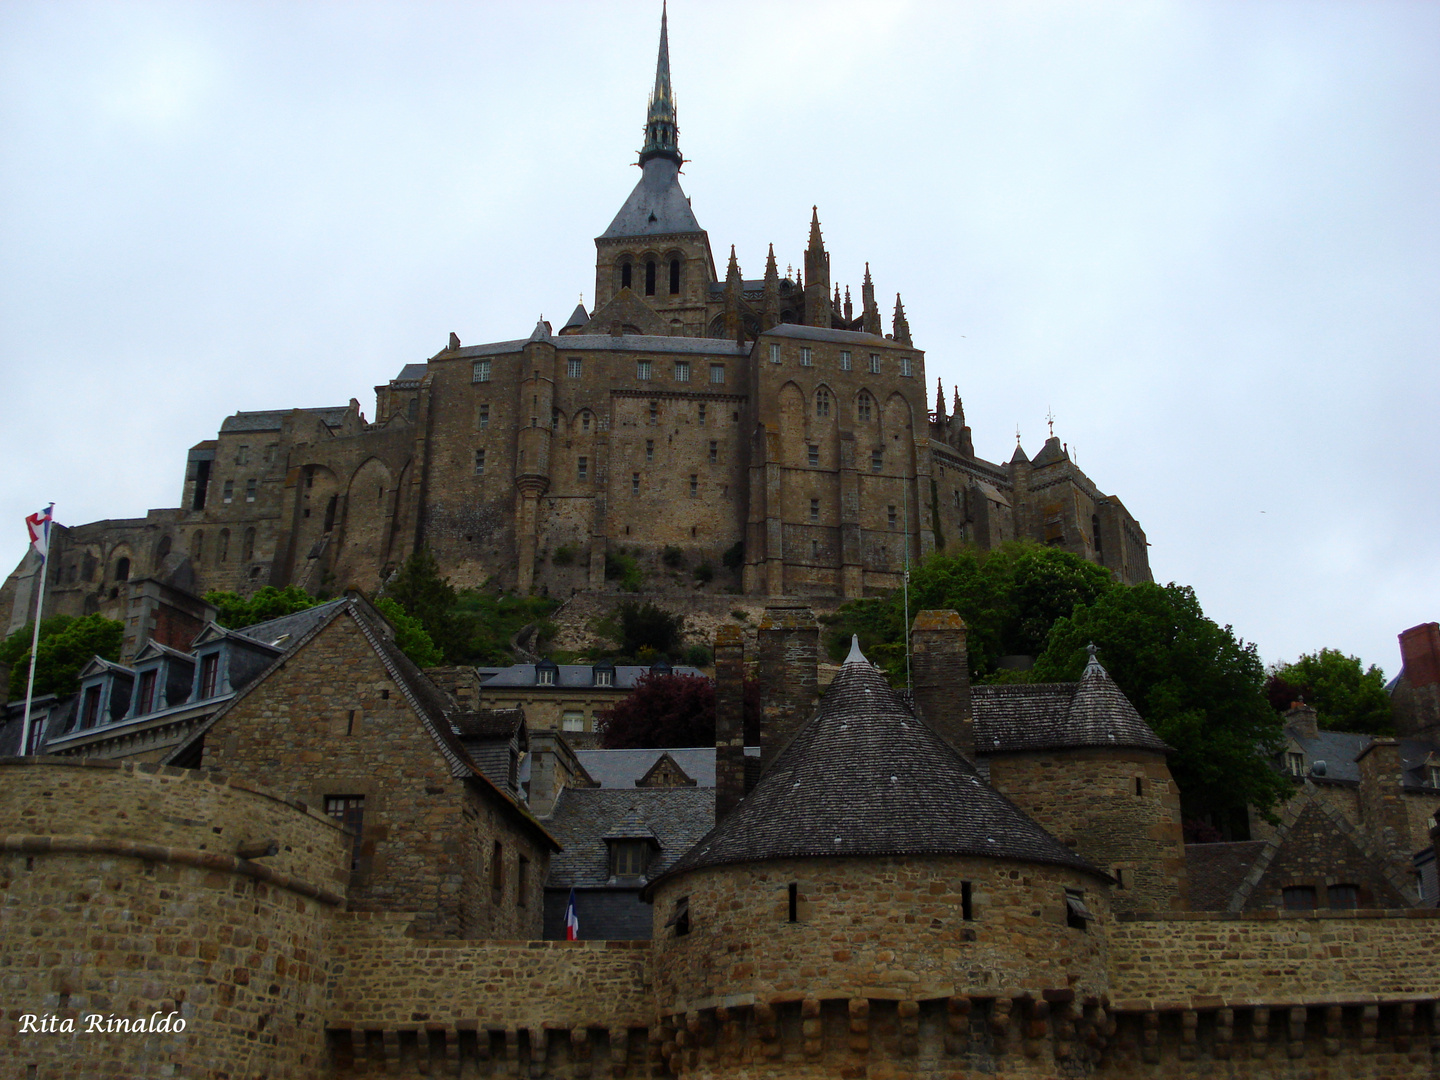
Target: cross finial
[[1017, 434], [1050, 419]]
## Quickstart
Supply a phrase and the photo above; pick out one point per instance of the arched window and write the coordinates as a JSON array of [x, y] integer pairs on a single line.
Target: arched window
[[625, 281], [224, 552], [864, 406], [822, 402], [650, 277], [674, 276], [247, 548], [122, 569], [163, 549]]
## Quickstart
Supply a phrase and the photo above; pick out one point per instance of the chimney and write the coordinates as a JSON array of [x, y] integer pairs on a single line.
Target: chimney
[[729, 719], [1383, 814], [1300, 720], [940, 669], [1415, 700], [553, 767], [1420, 654], [789, 643]]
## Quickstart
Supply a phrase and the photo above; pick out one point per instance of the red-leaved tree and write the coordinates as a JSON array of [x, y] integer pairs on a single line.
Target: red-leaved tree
[[672, 711]]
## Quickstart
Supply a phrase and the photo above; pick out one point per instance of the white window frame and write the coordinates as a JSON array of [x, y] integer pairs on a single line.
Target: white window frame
[[575, 367], [717, 374], [846, 363], [807, 356], [774, 353], [643, 370], [874, 363], [480, 372], [682, 371]]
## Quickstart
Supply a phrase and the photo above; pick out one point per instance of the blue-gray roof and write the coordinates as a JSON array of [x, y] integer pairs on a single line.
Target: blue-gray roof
[[822, 333], [656, 206], [411, 373], [655, 343], [621, 768], [575, 676], [1339, 749], [284, 631], [583, 817], [271, 419]]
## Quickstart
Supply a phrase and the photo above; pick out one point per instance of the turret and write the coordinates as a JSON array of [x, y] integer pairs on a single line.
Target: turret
[[817, 276], [901, 324], [734, 288], [770, 304], [870, 310]]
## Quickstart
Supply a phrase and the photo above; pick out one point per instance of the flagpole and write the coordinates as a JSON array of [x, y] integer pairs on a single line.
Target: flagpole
[[35, 639]]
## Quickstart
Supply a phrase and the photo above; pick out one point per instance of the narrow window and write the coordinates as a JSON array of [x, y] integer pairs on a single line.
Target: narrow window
[[582, 468], [649, 449], [967, 901], [650, 277], [794, 901], [350, 723], [812, 455], [145, 701], [1295, 763], [122, 569], [482, 417], [890, 512], [349, 810], [814, 549], [682, 370], [1095, 532], [635, 483], [701, 412], [807, 358], [223, 554], [497, 871], [814, 511], [481, 371], [774, 354], [1120, 877], [522, 864], [694, 485], [250, 486], [585, 421], [654, 412], [1299, 898], [680, 917], [209, 670], [674, 276], [242, 455], [247, 546], [717, 374], [642, 370], [228, 492], [877, 460], [554, 419], [874, 363], [90, 713], [625, 275], [1139, 785], [479, 462], [822, 402], [574, 367], [846, 364], [412, 409], [956, 493], [714, 452], [905, 366], [202, 483], [863, 405]]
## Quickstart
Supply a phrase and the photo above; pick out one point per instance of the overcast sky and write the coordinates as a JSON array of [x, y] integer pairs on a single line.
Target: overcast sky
[[1207, 236]]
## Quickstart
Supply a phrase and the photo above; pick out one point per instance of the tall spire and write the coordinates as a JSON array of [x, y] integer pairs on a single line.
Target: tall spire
[[662, 134], [939, 400], [902, 325], [817, 276], [870, 312]]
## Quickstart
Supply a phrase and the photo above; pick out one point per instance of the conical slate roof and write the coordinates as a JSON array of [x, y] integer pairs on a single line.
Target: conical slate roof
[[865, 777], [656, 206]]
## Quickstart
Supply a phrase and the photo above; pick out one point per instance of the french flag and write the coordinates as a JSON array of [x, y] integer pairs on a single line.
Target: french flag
[[39, 526], [572, 920]]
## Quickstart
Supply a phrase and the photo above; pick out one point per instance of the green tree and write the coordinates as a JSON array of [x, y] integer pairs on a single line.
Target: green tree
[[647, 627], [66, 646], [1196, 685], [418, 588], [1009, 599], [1346, 695], [672, 711], [410, 634], [236, 611]]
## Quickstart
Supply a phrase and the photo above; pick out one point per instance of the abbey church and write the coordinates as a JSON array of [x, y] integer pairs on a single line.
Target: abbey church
[[766, 424]]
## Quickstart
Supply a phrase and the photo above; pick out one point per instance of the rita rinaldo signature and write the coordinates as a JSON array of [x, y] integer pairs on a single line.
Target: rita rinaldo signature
[[100, 1023]]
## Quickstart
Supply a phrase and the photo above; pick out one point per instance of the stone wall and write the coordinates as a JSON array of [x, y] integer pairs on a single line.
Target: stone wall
[[123, 898], [881, 927], [1318, 853]]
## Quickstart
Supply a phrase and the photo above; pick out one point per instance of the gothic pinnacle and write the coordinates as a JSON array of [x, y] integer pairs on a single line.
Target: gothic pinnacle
[[662, 134]]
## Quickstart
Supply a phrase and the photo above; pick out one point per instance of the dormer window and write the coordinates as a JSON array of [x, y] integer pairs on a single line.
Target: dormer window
[[545, 673], [145, 699], [1432, 775], [604, 674], [628, 858], [90, 708], [1295, 763], [209, 675]]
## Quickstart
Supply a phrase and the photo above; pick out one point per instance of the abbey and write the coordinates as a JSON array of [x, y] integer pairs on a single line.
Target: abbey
[[768, 419]]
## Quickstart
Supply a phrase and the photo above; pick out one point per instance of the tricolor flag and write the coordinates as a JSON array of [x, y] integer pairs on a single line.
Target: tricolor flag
[[572, 921], [39, 526]]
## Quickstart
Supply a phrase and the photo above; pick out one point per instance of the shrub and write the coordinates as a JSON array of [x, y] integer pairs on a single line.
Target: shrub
[[672, 557], [699, 656], [623, 568], [645, 626], [564, 555], [734, 557], [704, 573]]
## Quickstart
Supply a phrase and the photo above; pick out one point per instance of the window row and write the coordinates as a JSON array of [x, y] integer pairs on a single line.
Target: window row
[[681, 371], [252, 488], [242, 453], [652, 272], [846, 361]]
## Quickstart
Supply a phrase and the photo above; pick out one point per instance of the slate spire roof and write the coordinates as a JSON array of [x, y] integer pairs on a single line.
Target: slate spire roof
[[865, 777], [661, 133]]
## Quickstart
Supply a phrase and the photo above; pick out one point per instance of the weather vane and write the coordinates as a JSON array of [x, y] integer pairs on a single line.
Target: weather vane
[[1050, 419]]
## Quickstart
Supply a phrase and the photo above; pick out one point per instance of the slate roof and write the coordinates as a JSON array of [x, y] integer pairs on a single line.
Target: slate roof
[[824, 333], [1050, 716], [864, 776], [576, 676], [1216, 871], [656, 206], [621, 768], [578, 317], [652, 343], [270, 420], [1050, 454], [411, 373], [583, 817], [292, 627], [1339, 749], [488, 723]]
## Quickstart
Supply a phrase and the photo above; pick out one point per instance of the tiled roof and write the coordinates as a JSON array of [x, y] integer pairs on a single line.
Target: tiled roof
[[411, 373], [621, 768], [1047, 716], [865, 777], [1215, 871], [576, 676], [271, 420], [1339, 749], [651, 343], [824, 333], [1050, 454], [656, 206], [583, 817], [287, 629], [487, 723]]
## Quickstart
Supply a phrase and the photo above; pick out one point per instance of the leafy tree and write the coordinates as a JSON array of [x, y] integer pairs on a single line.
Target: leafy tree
[[487, 621], [66, 646], [672, 711], [1346, 695], [236, 611], [647, 627], [1196, 685], [1009, 599], [410, 634], [418, 588]]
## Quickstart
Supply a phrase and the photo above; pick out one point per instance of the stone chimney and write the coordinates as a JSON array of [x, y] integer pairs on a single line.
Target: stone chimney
[[1301, 722], [1383, 814], [729, 719], [940, 670], [553, 767], [789, 644], [1415, 701]]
